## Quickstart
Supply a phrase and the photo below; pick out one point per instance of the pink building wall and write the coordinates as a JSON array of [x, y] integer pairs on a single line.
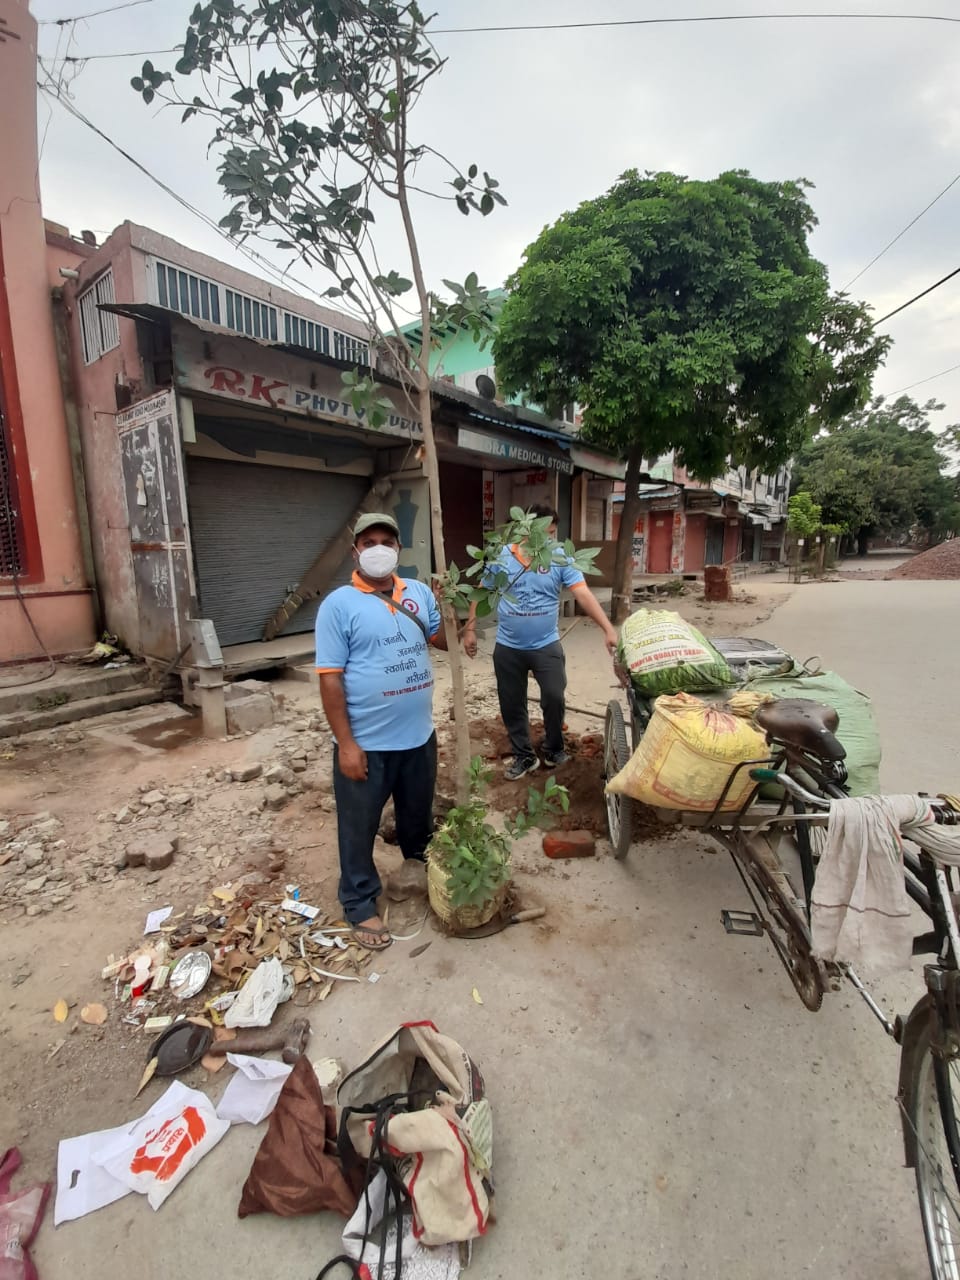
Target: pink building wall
[[54, 586]]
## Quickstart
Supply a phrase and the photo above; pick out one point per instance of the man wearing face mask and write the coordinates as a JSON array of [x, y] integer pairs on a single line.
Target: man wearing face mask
[[376, 685]]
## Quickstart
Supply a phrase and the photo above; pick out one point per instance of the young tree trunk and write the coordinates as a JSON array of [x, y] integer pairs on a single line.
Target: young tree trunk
[[461, 726], [623, 563]]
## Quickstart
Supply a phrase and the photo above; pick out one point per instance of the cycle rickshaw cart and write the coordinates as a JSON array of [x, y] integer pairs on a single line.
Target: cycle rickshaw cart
[[774, 845]]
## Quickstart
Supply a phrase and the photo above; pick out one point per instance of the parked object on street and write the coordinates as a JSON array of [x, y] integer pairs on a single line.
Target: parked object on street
[[664, 654], [685, 758], [20, 1215], [857, 729], [816, 925]]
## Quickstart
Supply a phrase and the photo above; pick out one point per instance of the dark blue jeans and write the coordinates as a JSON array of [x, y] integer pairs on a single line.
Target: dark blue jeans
[[408, 776]]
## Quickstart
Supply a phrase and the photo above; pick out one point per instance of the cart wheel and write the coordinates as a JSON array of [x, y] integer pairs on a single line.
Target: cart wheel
[[616, 753]]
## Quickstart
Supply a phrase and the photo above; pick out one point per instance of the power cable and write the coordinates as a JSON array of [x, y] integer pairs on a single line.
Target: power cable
[[97, 13], [916, 298], [281, 277], [953, 368], [900, 234], [579, 26]]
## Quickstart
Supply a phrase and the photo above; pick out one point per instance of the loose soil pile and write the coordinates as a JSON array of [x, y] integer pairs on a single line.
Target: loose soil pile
[[940, 562]]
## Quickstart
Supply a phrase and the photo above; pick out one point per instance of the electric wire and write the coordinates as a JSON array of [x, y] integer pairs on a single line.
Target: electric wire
[[920, 382], [916, 298], [603, 24], [900, 234], [97, 13]]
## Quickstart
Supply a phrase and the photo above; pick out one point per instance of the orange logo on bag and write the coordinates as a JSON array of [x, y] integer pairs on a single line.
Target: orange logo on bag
[[164, 1151]]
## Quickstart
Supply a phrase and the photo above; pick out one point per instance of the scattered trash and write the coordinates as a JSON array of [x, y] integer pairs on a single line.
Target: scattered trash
[[418, 951], [329, 1073], [253, 1092], [258, 999], [82, 1186], [477, 996], [180, 1046], [300, 908], [94, 1014], [55, 1050], [61, 1010], [374, 977], [189, 975], [160, 1023], [156, 918], [291, 1040], [156, 1152], [20, 1214], [149, 1071]]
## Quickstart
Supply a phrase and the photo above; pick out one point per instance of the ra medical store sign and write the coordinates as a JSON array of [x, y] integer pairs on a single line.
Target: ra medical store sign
[[222, 367], [512, 451]]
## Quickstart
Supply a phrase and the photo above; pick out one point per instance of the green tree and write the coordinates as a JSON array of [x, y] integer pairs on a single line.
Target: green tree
[[311, 105], [686, 316], [881, 471]]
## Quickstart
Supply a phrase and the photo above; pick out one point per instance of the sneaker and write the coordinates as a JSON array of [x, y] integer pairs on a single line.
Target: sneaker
[[519, 767], [554, 762]]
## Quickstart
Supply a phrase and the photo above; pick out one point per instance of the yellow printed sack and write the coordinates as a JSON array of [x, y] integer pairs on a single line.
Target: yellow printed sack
[[686, 756]]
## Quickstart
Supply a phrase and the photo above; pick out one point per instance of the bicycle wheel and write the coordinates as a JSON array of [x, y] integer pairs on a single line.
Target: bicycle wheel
[[616, 753], [932, 1105]]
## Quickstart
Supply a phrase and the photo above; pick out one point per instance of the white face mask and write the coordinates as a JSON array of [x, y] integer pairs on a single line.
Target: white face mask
[[379, 562]]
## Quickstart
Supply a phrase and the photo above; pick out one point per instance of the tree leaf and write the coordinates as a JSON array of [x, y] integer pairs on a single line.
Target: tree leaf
[[61, 1010]]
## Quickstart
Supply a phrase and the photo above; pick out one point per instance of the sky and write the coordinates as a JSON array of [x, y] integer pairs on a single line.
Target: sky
[[866, 110]]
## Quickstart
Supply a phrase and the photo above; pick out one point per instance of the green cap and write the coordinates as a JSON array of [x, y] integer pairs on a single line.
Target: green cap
[[372, 518]]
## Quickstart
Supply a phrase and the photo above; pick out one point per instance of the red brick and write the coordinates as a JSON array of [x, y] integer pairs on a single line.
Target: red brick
[[569, 844]]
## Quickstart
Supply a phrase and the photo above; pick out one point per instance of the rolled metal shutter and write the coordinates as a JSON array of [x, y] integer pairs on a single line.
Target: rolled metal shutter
[[256, 530]]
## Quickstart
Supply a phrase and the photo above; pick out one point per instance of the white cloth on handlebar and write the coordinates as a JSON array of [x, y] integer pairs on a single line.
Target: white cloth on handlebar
[[860, 909]]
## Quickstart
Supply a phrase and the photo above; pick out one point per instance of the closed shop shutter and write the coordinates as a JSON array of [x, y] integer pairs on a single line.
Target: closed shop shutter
[[256, 530]]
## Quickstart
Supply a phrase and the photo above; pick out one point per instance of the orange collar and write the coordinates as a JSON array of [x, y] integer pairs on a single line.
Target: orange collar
[[515, 549], [399, 586]]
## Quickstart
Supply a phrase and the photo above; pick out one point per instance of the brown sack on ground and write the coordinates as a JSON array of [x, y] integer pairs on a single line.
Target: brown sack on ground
[[297, 1168]]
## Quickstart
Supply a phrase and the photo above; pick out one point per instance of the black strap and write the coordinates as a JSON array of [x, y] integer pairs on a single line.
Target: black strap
[[398, 608], [347, 1261]]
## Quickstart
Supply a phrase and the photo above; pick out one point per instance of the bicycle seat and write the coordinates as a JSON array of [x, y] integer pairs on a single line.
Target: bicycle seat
[[804, 724]]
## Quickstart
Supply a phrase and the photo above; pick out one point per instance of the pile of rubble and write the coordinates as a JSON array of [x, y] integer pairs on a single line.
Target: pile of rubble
[[32, 874], [216, 819]]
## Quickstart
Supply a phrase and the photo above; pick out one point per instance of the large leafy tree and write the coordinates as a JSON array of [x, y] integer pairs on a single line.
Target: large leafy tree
[[687, 316], [310, 104], [883, 471]]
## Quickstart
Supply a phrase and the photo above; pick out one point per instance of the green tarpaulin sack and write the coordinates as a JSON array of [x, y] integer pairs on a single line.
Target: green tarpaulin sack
[[665, 654], [857, 730]]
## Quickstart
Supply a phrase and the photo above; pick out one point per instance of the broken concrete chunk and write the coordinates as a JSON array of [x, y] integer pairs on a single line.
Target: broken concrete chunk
[[49, 827], [123, 815], [275, 796], [152, 852], [277, 773], [246, 772], [154, 797], [35, 885], [33, 855]]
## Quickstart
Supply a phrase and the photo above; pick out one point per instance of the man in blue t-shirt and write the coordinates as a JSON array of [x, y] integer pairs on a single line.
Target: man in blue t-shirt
[[528, 639], [376, 684]]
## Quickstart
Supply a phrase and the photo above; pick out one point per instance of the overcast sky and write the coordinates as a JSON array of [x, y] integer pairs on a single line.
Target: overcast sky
[[869, 111]]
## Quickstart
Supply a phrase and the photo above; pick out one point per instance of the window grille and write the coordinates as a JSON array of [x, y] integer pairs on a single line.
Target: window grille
[[100, 330], [11, 530]]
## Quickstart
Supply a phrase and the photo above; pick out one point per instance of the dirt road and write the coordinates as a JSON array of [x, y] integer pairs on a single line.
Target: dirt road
[[664, 1106]]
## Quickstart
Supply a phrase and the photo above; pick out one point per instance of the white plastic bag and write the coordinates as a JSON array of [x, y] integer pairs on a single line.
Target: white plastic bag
[[259, 996], [253, 1092], [439, 1263], [156, 1152]]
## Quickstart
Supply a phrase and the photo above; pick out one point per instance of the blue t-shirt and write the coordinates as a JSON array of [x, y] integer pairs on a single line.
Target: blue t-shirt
[[531, 619], [384, 658]]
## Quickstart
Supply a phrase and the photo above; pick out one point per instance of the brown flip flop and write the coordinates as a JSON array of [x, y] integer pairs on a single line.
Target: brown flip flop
[[372, 939]]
